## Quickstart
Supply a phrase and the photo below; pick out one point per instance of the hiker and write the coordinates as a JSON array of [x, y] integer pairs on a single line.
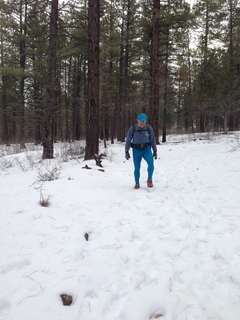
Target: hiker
[[141, 138]]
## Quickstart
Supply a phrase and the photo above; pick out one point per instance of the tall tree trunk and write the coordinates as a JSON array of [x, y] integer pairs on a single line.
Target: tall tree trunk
[[76, 119], [189, 93], [155, 88], [5, 135], [124, 69], [51, 92], [202, 119], [204, 66], [125, 84], [119, 119], [37, 112], [111, 97], [22, 45], [165, 94], [92, 112], [231, 62], [67, 116], [179, 125], [230, 33]]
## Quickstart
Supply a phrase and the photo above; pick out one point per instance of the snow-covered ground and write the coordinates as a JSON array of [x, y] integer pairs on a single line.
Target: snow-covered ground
[[171, 252]]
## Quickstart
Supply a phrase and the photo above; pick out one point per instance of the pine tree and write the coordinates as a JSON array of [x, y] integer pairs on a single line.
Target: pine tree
[[92, 110], [51, 92]]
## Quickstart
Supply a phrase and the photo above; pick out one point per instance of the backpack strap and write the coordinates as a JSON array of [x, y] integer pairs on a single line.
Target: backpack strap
[[134, 129]]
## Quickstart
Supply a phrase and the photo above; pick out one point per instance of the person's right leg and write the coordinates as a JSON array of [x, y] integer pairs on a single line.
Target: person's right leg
[[137, 158]]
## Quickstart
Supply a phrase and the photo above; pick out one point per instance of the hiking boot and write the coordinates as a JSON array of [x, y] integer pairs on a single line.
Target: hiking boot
[[149, 183], [137, 186]]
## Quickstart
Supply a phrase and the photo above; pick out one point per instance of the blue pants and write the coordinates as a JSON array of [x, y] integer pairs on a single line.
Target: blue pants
[[137, 158]]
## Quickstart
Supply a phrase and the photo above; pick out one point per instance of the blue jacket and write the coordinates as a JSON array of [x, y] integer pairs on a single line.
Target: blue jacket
[[141, 136]]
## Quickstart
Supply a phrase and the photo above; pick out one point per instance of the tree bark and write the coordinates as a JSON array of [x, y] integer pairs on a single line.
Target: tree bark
[[92, 112], [205, 50], [165, 95], [5, 135], [22, 45], [51, 93], [76, 119], [155, 103]]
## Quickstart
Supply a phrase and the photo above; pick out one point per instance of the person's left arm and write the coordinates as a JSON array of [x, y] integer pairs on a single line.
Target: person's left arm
[[129, 139]]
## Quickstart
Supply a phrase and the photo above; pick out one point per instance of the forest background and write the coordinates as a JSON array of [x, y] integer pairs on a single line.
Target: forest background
[[74, 70]]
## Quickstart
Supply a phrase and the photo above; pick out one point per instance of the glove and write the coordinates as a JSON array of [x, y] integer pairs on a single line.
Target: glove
[[155, 155], [127, 155]]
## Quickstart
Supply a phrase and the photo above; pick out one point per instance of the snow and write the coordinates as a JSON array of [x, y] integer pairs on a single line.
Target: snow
[[169, 252]]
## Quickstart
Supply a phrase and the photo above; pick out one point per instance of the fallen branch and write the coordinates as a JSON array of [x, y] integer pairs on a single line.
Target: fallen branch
[[98, 159]]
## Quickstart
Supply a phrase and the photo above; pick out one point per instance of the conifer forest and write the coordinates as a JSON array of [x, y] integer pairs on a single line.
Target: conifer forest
[[84, 69]]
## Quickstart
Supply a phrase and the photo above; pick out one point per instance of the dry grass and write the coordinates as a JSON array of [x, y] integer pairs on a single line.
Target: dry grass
[[44, 200]]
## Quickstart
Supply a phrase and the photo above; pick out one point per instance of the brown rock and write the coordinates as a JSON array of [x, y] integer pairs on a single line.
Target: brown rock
[[66, 299]]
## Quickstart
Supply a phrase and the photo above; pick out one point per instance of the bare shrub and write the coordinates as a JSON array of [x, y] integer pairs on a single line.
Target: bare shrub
[[44, 200], [6, 163], [33, 158], [236, 147], [2, 154], [49, 174], [73, 153], [22, 164]]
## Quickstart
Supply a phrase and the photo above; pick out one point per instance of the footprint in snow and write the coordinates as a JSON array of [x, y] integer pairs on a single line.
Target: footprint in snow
[[4, 306], [150, 213], [116, 307], [136, 239], [15, 265], [152, 279], [124, 222], [89, 306]]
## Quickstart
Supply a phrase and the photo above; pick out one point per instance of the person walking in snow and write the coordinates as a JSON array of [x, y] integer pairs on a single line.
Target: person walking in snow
[[142, 139]]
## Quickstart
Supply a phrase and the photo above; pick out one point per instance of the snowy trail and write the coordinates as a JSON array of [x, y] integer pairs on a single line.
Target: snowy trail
[[171, 252]]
